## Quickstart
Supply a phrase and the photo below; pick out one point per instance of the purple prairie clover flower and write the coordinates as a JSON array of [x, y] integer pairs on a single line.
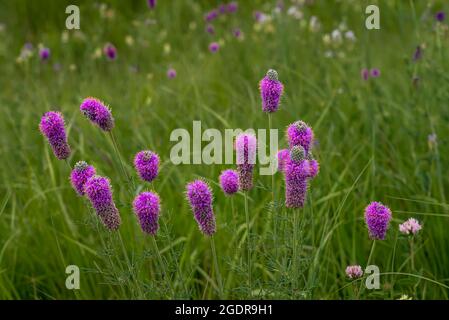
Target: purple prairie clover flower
[[245, 146], [314, 168], [375, 73], [377, 218], [222, 8], [147, 165], [211, 15], [232, 7], [300, 134], [229, 182], [171, 73], [147, 209], [364, 74], [214, 47], [270, 91], [282, 155], [96, 111], [410, 227], [151, 4], [354, 272], [210, 29], [110, 51], [98, 191], [52, 127], [237, 33], [200, 199], [258, 16], [296, 172], [44, 54], [79, 176], [440, 16]]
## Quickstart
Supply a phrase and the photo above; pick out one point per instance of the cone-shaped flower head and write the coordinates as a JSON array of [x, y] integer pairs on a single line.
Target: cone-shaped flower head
[[270, 91], [377, 218], [229, 182], [283, 155], [79, 176], [410, 227], [52, 127], [147, 209], [354, 272], [98, 113], [296, 172], [98, 191], [300, 134], [246, 147], [147, 165], [200, 198]]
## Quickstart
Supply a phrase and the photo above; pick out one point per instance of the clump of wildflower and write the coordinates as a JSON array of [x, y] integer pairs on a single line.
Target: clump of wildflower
[[354, 272], [377, 218], [44, 54], [245, 146], [270, 91], [52, 127], [98, 191], [300, 134], [171, 73], [110, 51], [98, 113], [147, 165], [147, 209], [229, 182], [79, 176], [200, 199], [214, 47], [410, 227]]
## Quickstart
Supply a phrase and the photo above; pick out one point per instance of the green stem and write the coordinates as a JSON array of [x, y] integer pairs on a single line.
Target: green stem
[[367, 264], [248, 241], [163, 266], [412, 255], [217, 270], [295, 251], [128, 262], [116, 149]]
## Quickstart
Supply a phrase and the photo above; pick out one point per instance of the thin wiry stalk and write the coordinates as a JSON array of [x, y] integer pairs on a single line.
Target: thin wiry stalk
[[117, 152], [217, 270], [163, 266], [248, 241], [367, 264]]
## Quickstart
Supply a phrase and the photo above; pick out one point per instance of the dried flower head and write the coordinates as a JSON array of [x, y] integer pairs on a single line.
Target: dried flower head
[[52, 127], [79, 176], [147, 165], [377, 218], [147, 209], [200, 199], [97, 112], [98, 190]]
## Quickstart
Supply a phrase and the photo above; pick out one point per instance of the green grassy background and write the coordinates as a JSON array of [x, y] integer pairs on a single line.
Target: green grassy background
[[373, 145]]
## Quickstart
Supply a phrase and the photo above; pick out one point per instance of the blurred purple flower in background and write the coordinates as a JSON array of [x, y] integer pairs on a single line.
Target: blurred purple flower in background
[[210, 29], [214, 47], [44, 54], [171, 73], [232, 7], [440, 16], [375, 73], [151, 4], [365, 74], [110, 51], [418, 54]]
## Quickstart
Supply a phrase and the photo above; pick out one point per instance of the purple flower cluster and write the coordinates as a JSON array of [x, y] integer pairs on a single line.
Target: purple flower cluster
[[200, 198], [98, 191], [229, 182], [300, 134], [245, 146], [354, 272], [377, 218], [79, 176], [52, 127], [147, 165], [98, 113], [147, 209], [224, 8], [270, 91], [44, 54], [410, 227], [110, 51]]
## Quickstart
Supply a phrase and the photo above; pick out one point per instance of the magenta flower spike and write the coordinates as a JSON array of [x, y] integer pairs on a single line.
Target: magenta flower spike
[[52, 127], [232, 7], [147, 208], [96, 111], [44, 54], [200, 198], [354, 272], [151, 4], [99, 192], [245, 146], [377, 218], [147, 165], [296, 172], [79, 176], [375, 73], [364, 73], [229, 182], [270, 91], [410, 227], [283, 155], [110, 51], [300, 134], [211, 15], [214, 47]]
